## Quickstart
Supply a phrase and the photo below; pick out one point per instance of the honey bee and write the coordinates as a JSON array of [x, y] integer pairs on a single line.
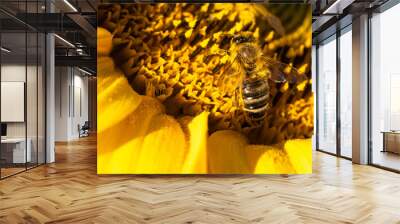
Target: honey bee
[[247, 75]]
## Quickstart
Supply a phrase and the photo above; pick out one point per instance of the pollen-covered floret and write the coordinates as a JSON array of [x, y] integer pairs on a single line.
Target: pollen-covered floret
[[177, 52]]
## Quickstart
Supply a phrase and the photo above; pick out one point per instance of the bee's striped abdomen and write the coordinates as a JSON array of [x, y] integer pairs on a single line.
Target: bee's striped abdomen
[[255, 93]]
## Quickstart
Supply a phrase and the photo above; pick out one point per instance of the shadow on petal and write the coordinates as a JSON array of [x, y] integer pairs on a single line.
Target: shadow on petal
[[120, 145], [226, 153], [265, 159], [164, 147]]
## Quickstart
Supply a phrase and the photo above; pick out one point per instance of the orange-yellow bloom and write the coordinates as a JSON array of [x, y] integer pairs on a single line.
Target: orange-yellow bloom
[[136, 136]]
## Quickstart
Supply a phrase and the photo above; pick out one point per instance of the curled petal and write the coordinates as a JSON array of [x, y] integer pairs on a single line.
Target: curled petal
[[163, 150], [300, 155], [268, 160], [196, 158], [104, 42], [116, 98], [228, 152], [120, 146]]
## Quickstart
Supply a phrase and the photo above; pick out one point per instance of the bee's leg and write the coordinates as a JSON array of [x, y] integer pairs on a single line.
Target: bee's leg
[[237, 101], [247, 118], [238, 105], [241, 107]]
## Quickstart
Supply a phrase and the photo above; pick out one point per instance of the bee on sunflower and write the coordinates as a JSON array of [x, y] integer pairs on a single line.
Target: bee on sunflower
[[161, 110]]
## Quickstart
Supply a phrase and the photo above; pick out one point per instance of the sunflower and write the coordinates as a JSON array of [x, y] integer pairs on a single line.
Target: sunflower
[[178, 52], [136, 136]]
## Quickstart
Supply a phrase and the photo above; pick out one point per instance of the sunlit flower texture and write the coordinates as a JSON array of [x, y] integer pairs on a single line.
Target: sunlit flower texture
[[136, 136], [139, 134]]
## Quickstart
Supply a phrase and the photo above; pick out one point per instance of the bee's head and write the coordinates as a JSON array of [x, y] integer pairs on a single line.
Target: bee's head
[[247, 55], [246, 49]]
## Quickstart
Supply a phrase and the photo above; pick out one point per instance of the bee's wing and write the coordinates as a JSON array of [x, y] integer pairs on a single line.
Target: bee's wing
[[230, 78], [276, 24], [272, 20], [281, 72]]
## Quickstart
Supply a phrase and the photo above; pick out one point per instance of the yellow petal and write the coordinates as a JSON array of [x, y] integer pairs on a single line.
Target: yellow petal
[[119, 146], [116, 98], [226, 153], [196, 158], [300, 155], [268, 160], [163, 150], [104, 42]]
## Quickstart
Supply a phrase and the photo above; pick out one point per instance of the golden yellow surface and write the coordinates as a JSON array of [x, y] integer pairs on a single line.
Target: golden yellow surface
[[179, 50], [147, 141], [139, 134], [142, 139]]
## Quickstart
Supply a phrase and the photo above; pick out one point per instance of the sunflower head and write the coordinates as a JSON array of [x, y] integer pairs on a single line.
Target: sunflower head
[[178, 52]]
